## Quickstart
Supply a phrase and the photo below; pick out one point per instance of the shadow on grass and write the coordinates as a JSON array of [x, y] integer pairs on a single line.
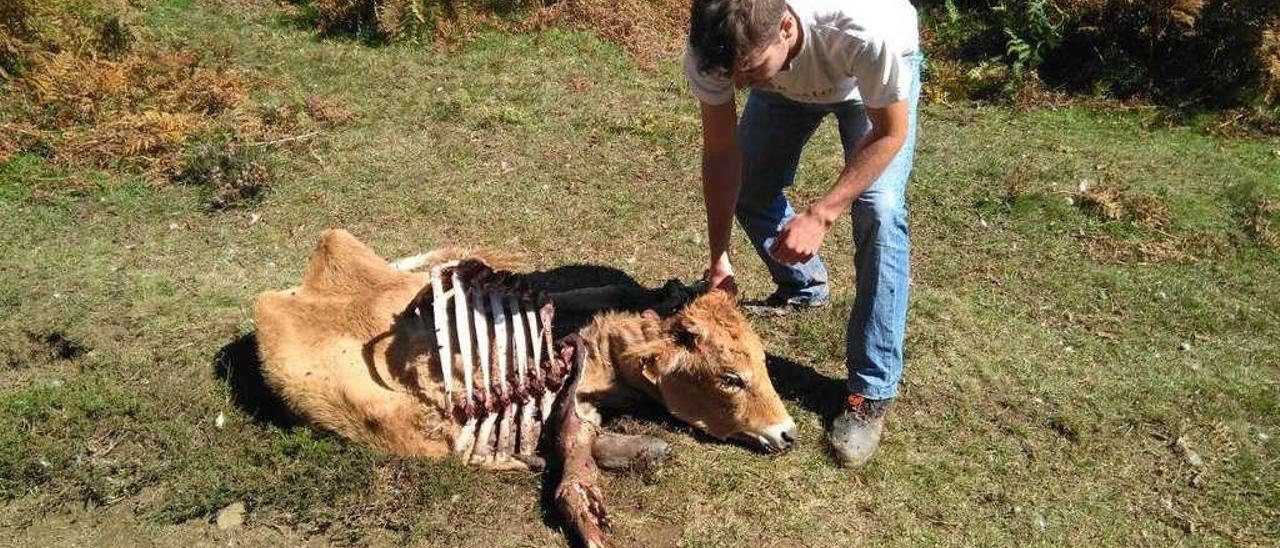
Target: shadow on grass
[[806, 387], [238, 365]]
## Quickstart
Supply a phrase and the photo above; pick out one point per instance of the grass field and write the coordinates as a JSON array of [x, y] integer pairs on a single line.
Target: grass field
[[1071, 378]]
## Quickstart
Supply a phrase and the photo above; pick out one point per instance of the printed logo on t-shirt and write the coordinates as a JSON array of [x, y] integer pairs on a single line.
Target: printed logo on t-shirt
[[783, 90]]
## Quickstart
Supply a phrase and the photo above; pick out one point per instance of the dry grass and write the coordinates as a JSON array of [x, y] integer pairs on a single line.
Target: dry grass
[[646, 29], [1269, 53], [1104, 200], [94, 95], [231, 173], [328, 112], [1187, 248], [1149, 211], [1112, 204], [1263, 223]]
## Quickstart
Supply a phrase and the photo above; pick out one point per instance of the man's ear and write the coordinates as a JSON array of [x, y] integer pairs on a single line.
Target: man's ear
[[787, 27]]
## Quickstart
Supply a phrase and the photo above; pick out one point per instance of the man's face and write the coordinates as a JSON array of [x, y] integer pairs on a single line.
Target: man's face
[[761, 65]]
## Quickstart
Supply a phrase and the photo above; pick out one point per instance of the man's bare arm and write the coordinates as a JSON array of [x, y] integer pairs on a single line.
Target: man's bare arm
[[801, 238], [889, 127], [721, 180]]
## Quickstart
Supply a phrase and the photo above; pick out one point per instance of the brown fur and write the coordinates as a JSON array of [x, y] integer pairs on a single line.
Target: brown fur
[[336, 351]]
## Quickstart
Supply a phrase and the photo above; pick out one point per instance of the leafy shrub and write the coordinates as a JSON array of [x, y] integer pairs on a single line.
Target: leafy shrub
[[385, 20], [1214, 53]]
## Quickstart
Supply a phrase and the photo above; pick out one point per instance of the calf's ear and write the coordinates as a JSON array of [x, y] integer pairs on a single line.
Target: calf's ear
[[657, 365], [687, 332]]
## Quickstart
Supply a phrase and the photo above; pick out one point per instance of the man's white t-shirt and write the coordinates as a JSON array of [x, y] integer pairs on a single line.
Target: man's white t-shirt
[[851, 49]]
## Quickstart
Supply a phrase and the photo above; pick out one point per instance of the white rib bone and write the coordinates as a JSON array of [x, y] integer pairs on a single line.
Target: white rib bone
[[461, 315], [440, 319], [527, 442], [531, 323], [518, 336], [547, 398], [507, 432], [466, 439], [530, 428], [506, 423], [548, 401], [483, 451], [499, 338], [406, 264], [481, 322]]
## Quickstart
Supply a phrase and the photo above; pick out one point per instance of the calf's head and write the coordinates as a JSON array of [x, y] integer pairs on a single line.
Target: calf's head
[[708, 366]]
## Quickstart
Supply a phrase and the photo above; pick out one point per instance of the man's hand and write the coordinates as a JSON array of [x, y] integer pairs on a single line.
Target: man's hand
[[800, 239], [721, 177], [720, 274]]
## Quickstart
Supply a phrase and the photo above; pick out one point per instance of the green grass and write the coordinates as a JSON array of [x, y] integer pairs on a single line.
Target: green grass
[[1043, 386]]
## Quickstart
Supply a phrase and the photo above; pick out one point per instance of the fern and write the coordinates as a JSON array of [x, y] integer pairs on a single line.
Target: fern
[[1030, 32]]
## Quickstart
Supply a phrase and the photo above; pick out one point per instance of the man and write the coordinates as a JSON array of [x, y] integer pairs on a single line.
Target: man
[[858, 60]]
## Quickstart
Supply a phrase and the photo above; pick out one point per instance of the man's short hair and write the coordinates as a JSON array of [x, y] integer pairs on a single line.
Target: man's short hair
[[722, 31]]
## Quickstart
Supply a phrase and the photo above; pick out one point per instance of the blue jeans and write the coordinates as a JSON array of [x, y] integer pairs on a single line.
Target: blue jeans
[[771, 133]]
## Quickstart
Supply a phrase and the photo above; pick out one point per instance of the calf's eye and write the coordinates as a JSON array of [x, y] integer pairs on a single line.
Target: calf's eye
[[733, 380]]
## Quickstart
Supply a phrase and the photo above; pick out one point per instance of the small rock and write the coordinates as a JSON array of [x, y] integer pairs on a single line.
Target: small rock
[[231, 517], [454, 499], [173, 226], [1264, 437], [44, 463], [1041, 523], [1185, 346], [1180, 446], [220, 420], [1197, 479], [55, 383], [1161, 295], [982, 222], [254, 218]]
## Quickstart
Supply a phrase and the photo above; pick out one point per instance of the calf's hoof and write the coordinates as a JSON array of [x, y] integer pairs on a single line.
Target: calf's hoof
[[614, 451]]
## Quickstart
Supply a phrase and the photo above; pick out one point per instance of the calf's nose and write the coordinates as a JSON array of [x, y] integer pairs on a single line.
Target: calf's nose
[[782, 435]]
